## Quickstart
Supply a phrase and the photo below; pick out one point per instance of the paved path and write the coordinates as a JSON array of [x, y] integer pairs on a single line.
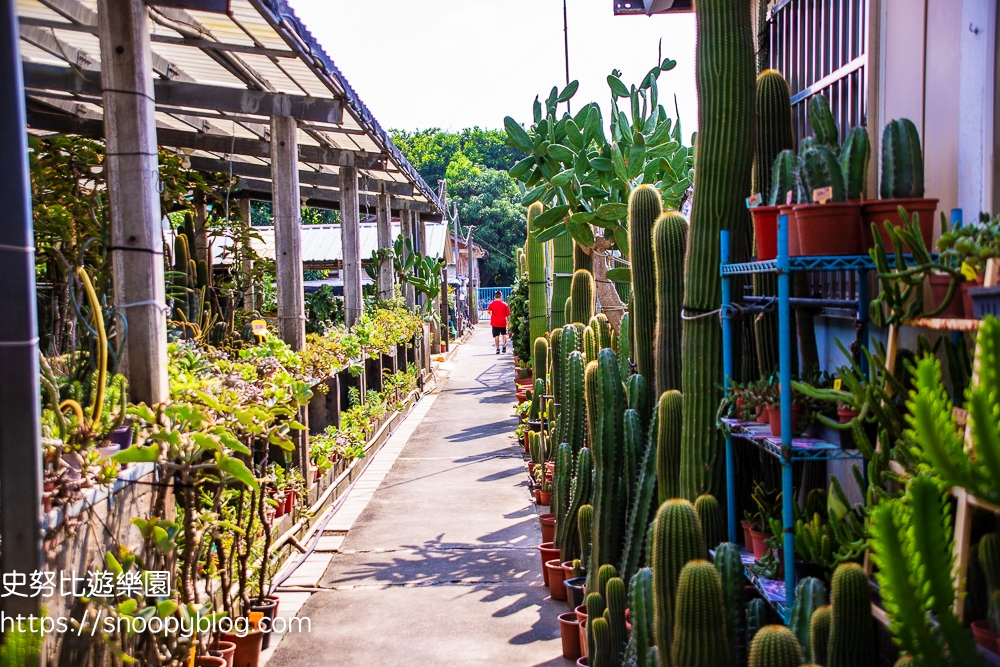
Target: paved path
[[439, 565]]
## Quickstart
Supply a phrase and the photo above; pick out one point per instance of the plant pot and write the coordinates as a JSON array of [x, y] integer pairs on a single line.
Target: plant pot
[[548, 524], [269, 609], [535, 425], [845, 415], [548, 552], [581, 617], [793, 234], [538, 496], [109, 450], [224, 650], [747, 535], [527, 441], [939, 284], [759, 548], [774, 418], [968, 308], [544, 497], [765, 231], [984, 636], [248, 648], [763, 416], [829, 229], [209, 661], [556, 577], [289, 500], [985, 301], [569, 631], [575, 593], [122, 436], [583, 661], [878, 211]]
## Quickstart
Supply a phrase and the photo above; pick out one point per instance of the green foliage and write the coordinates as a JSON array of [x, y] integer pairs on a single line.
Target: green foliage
[[323, 310], [810, 595], [21, 646], [431, 151], [852, 635], [699, 633], [519, 331]]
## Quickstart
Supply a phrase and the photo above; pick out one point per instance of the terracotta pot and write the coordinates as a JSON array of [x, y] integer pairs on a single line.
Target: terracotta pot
[[526, 441], [544, 497], [223, 650], [793, 234], [984, 636], [279, 509], [248, 647], [548, 552], [939, 284], [575, 589], [581, 614], [747, 535], [829, 229], [845, 415], [289, 500], [968, 312], [763, 416], [270, 610], [759, 548], [556, 577], [209, 661], [878, 211], [774, 418], [548, 524], [538, 496], [765, 231], [569, 630]]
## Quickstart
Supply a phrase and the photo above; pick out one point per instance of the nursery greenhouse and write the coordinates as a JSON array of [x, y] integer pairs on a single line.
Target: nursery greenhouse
[[685, 361]]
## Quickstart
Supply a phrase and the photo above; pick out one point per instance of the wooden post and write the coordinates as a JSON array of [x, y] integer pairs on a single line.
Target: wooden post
[[350, 225], [406, 228], [287, 231], [200, 227], [133, 196], [470, 289], [384, 225], [247, 264]]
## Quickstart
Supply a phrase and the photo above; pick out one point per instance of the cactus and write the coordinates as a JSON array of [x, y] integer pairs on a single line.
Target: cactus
[[852, 638], [615, 599], [568, 531], [638, 396], [602, 331], [562, 481], [784, 177], [595, 612], [819, 634], [810, 595], [773, 131], [820, 168], [538, 306], [668, 450], [669, 241], [582, 261], [713, 528], [729, 565], [585, 526], [642, 507], [568, 343], [589, 344], [625, 346], [609, 510], [539, 360], [535, 448], [854, 157], [644, 208], [676, 540], [823, 125], [640, 604], [562, 271], [603, 654], [902, 161], [582, 297], [699, 633], [590, 399], [575, 407], [556, 379], [537, 391], [776, 646], [758, 615], [631, 453], [988, 555], [604, 574]]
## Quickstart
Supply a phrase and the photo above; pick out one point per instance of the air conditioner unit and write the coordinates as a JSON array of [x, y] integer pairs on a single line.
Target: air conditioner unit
[[650, 7]]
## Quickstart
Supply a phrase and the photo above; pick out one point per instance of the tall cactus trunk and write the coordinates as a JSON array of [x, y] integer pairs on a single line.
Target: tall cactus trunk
[[582, 302], [725, 72], [562, 272], [644, 208], [669, 244], [581, 259], [538, 307]]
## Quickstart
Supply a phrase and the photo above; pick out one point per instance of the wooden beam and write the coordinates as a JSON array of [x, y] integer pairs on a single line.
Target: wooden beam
[[287, 233], [323, 197], [249, 298], [133, 197], [384, 230], [350, 224], [188, 94]]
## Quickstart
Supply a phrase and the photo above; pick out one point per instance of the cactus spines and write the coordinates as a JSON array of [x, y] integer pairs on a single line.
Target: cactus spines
[[669, 240], [640, 604], [676, 540], [637, 392], [758, 615], [585, 526], [539, 359], [642, 506], [590, 344], [538, 307], [854, 157], [590, 398], [581, 260], [729, 565], [562, 480], [810, 595], [774, 127], [604, 574], [582, 296], [644, 207], [902, 161], [631, 452], [562, 270], [625, 346], [852, 641], [557, 379], [568, 532], [710, 514], [775, 646], [668, 451], [615, 600], [595, 611], [602, 331], [699, 636], [537, 391], [819, 634], [574, 407], [603, 654], [820, 168], [784, 175], [609, 510], [823, 125], [568, 309]]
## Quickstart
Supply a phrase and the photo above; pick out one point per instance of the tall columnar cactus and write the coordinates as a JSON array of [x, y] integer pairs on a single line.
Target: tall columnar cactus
[[823, 125], [902, 161], [676, 540], [574, 409], [758, 615], [640, 604], [625, 346], [668, 451], [537, 402], [604, 574], [590, 396], [774, 129], [538, 306], [557, 380], [569, 342], [854, 157], [775, 646], [699, 634], [725, 71], [562, 483], [642, 507], [540, 359], [585, 526], [535, 448], [615, 599], [820, 169], [634, 437], [600, 640], [852, 637], [669, 243], [602, 331], [582, 295], [819, 634], [713, 528], [590, 344], [644, 207], [637, 391], [582, 261], [609, 510], [729, 565], [568, 532], [562, 271], [784, 178], [810, 595]]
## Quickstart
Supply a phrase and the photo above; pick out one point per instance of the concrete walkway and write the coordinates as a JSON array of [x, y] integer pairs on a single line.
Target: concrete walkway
[[439, 565]]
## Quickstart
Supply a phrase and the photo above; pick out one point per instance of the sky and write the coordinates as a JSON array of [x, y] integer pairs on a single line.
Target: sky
[[452, 64]]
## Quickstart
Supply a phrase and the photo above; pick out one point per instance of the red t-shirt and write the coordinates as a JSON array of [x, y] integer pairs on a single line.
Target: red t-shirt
[[499, 311]]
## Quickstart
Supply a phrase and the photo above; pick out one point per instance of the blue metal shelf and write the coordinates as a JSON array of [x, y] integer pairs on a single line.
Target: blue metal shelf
[[771, 590], [813, 263], [803, 449]]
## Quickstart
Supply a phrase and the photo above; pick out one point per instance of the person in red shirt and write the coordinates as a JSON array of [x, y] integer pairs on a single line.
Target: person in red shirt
[[499, 316]]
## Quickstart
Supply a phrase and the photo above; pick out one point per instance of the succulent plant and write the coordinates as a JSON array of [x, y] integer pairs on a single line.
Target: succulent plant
[[669, 244], [668, 451], [902, 161], [819, 634], [775, 646], [852, 636], [710, 514], [810, 595], [676, 540], [582, 295], [773, 133], [823, 125], [538, 306], [820, 168], [644, 208], [568, 532], [854, 157], [615, 599], [639, 518], [640, 604], [699, 633]]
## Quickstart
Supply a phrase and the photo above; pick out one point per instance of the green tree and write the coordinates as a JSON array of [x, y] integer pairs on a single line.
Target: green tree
[[430, 151]]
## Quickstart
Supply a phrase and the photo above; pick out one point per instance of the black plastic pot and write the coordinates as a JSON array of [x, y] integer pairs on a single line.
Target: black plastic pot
[[269, 609], [574, 591]]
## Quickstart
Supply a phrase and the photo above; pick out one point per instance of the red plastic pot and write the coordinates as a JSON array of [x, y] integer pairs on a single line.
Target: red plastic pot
[[556, 577], [747, 534], [248, 647], [845, 415], [289, 500], [569, 630], [581, 617], [878, 211], [765, 231], [774, 417], [829, 229], [984, 636], [548, 524], [538, 496], [209, 661], [544, 497], [224, 650], [759, 548], [548, 552], [939, 284], [793, 234]]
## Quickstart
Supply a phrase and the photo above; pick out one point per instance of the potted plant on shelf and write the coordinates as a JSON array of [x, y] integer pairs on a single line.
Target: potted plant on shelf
[[768, 504], [967, 248]]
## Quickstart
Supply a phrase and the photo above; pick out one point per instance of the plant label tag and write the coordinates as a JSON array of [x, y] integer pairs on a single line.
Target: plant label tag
[[753, 201], [961, 415], [259, 327], [255, 618], [837, 384], [789, 196], [823, 195], [969, 271]]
